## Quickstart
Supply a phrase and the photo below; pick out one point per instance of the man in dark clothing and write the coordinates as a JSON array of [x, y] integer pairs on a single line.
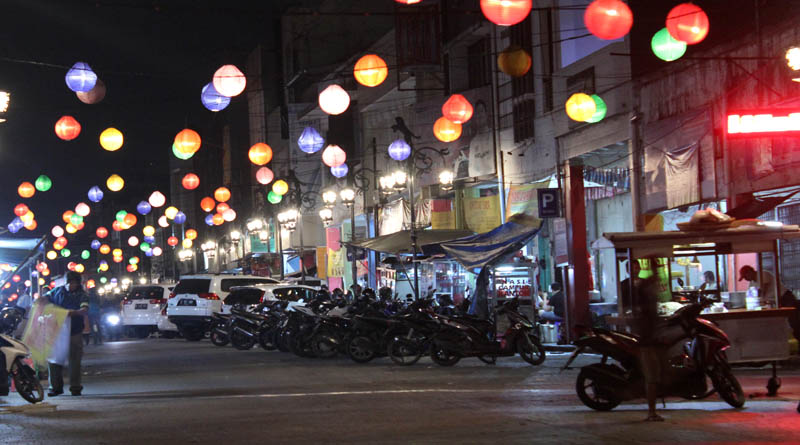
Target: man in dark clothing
[[554, 307], [71, 296]]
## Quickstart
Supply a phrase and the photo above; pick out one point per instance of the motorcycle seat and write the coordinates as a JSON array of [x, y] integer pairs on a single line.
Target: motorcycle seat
[[250, 315]]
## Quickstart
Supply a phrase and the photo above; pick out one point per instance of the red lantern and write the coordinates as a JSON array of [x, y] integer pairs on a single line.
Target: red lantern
[[264, 175], [222, 207], [191, 181], [129, 220], [116, 226], [457, 109], [506, 12], [66, 216], [131, 268], [101, 232], [333, 156], [61, 241], [688, 23], [187, 142], [67, 128], [608, 19], [408, 2], [21, 209], [26, 189], [172, 241], [207, 204], [217, 219], [260, 153], [222, 194]]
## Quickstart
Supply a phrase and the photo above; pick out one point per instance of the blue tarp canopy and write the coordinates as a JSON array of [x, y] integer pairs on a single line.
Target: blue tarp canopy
[[15, 250]]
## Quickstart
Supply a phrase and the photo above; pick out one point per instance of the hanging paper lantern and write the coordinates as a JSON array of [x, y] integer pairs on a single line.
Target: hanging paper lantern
[[57, 231], [191, 181], [170, 212], [133, 241], [51, 255], [446, 131], [340, 171], [26, 189], [131, 268], [457, 109], [15, 225], [222, 194], [117, 252], [65, 252], [280, 187], [260, 153], [157, 251], [333, 156], [229, 215], [514, 61], [67, 128], [264, 176], [221, 207], [129, 220], [27, 218], [187, 141], [95, 244], [665, 47], [143, 207], [600, 109], [116, 226], [208, 203], [67, 215], [157, 199], [120, 215], [21, 209], [191, 234], [82, 209], [93, 96], [71, 228], [148, 230], [274, 198], [229, 81], [81, 78], [187, 244], [687, 23], [334, 100], [101, 232], [95, 194], [115, 183], [608, 19], [144, 247], [43, 183], [212, 100], [111, 139], [85, 254], [179, 155], [506, 12], [172, 241], [60, 241], [217, 219], [180, 218], [32, 225], [310, 140], [162, 221], [209, 220], [75, 219], [370, 70], [79, 268], [149, 239], [580, 107], [399, 150]]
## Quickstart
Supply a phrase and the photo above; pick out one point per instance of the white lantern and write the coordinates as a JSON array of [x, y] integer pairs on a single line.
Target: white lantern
[[334, 100]]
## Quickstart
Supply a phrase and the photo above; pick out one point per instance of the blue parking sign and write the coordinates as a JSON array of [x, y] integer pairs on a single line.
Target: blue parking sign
[[549, 206]]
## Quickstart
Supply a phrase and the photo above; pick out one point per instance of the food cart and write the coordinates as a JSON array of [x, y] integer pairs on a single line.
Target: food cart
[[758, 333]]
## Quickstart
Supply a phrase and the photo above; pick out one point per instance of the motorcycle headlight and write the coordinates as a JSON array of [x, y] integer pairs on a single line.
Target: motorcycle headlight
[[112, 319]]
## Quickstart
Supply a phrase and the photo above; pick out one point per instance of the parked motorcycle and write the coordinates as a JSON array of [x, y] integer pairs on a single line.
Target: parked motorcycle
[[695, 351], [220, 327], [27, 384], [10, 318], [410, 338]]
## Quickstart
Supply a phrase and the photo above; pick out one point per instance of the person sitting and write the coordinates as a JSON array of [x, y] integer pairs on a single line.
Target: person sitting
[[766, 294], [554, 306], [709, 281]]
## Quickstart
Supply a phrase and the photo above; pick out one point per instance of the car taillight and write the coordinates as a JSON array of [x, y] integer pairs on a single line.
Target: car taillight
[[263, 294], [126, 301], [172, 295], [157, 301], [164, 311], [208, 296]]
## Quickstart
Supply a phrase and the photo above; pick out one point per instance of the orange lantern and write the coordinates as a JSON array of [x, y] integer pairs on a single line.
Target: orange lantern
[[191, 181], [131, 268], [260, 153], [26, 189], [129, 220], [222, 194], [117, 259], [101, 232], [370, 70], [506, 12], [333, 156], [31, 225], [608, 19], [457, 109], [207, 204], [514, 61], [229, 81], [104, 249], [67, 128], [172, 241], [446, 131], [66, 216], [187, 142], [61, 241], [222, 207], [191, 234], [217, 219], [688, 23], [116, 226]]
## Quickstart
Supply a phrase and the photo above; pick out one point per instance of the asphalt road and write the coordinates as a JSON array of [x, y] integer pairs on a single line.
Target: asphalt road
[[177, 392]]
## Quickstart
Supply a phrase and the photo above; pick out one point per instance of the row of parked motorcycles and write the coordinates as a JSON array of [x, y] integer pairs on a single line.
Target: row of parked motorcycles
[[368, 328]]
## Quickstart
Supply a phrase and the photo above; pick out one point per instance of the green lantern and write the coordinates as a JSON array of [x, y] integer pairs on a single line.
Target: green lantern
[[144, 247], [103, 280], [665, 47], [600, 109], [43, 183], [65, 252], [76, 219], [273, 197], [121, 215], [85, 254], [179, 155]]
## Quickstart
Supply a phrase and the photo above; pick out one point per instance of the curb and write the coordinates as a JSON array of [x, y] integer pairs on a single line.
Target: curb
[[28, 408]]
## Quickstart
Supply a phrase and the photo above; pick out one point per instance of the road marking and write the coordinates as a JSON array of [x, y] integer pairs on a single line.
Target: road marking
[[393, 391]]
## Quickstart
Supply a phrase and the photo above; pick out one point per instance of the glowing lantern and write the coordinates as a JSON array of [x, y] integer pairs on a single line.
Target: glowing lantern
[[75, 219], [91, 284], [26, 189], [221, 207], [667, 48], [222, 194], [32, 225], [399, 150], [57, 231], [212, 100], [179, 155], [71, 265], [148, 230], [67, 128], [132, 268], [187, 244], [149, 239], [217, 219], [27, 218], [81, 78], [143, 207], [514, 61], [280, 187], [229, 81], [157, 199], [608, 19], [117, 252], [51, 255], [144, 247], [333, 156], [21, 209], [104, 249], [115, 183], [79, 268], [93, 96], [260, 153], [116, 226], [207, 203], [687, 23], [446, 131], [130, 220], [157, 251], [172, 241], [370, 70], [600, 110], [191, 181], [95, 194], [274, 198], [187, 141], [133, 260], [170, 212], [209, 220], [85, 254], [264, 176], [180, 218], [457, 109], [506, 12], [334, 100], [120, 216], [101, 232], [67, 215], [82, 209], [111, 139], [162, 221], [310, 140], [229, 215], [191, 234], [71, 228], [133, 241], [15, 225], [580, 107], [340, 171], [43, 183], [65, 252], [41, 266], [81, 225], [95, 244]]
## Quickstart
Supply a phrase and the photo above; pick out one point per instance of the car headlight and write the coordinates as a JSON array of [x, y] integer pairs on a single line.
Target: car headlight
[[112, 319]]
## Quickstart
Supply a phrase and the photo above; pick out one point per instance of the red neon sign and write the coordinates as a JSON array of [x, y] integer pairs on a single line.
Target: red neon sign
[[762, 123]]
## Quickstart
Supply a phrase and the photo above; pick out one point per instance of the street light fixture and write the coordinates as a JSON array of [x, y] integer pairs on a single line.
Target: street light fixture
[[326, 215], [329, 198], [185, 254], [236, 236], [288, 219], [348, 196], [254, 225], [446, 180], [387, 184], [209, 247], [400, 180]]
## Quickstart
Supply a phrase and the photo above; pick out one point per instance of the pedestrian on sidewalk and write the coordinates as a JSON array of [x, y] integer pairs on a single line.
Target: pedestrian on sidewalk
[[70, 296]]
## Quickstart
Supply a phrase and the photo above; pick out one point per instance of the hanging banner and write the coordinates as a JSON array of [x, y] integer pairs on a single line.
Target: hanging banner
[[442, 215], [336, 254], [482, 214], [522, 199], [392, 216], [322, 263]]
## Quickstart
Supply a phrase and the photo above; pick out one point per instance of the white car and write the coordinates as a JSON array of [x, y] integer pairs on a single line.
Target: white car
[[196, 297], [142, 310]]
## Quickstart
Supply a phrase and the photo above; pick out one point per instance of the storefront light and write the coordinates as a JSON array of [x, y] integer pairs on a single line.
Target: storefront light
[[263, 236], [236, 236], [793, 61]]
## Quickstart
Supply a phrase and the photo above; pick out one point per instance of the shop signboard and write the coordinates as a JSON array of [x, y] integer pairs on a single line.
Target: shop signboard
[[561, 252], [392, 216], [763, 123], [549, 205], [482, 214], [442, 216], [322, 263]]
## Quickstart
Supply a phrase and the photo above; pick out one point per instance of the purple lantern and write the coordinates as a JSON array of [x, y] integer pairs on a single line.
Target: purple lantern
[[209, 219], [212, 99], [95, 244], [180, 218], [340, 171], [15, 225], [399, 150], [149, 252], [310, 141], [150, 239], [80, 78], [144, 207], [95, 194]]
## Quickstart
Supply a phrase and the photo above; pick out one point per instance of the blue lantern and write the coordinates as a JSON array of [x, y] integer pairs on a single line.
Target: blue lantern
[[149, 253], [150, 239], [310, 141], [15, 225], [212, 99], [80, 78], [144, 208], [399, 150], [340, 171], [180, 218], [209, 219], [114, 281], [95, 244], [95, 194]]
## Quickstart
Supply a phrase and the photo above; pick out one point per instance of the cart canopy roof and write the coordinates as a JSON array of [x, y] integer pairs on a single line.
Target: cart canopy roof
[[399, 243]]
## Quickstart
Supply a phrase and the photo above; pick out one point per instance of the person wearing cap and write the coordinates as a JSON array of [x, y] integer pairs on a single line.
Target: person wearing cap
[[70, 296], [766, 294]]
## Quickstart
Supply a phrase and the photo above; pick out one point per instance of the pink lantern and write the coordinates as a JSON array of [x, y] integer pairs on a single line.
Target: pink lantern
[[334, 100], [82, 209], [264, 175], [506, 12], [57, 231], [229, 215], [229, 81], [333, 156]]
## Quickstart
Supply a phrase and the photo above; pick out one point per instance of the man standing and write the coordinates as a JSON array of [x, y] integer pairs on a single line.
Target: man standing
[[72, 297]]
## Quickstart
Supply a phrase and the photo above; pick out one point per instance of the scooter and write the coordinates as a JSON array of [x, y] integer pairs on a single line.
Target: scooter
[[695, 350], [10, 318], [25, 380]]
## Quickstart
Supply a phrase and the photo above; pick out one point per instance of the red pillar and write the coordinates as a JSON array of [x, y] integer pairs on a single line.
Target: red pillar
[[577, 291]]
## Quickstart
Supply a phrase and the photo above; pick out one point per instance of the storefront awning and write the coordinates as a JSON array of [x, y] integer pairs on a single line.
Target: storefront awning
[[16, 252], [400, 242]]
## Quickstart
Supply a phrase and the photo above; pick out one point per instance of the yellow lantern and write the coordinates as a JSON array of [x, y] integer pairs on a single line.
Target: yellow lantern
[[580, 107], [514, 61], [116, 252], [280, 187], [111, 139], [171, 212], [187, 243], [51, 255], [103, 266], [27, 217], [148, 230], [41, 281], [79, 268], [370, 70], [446, 131], [71, 229], [115, 183]]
